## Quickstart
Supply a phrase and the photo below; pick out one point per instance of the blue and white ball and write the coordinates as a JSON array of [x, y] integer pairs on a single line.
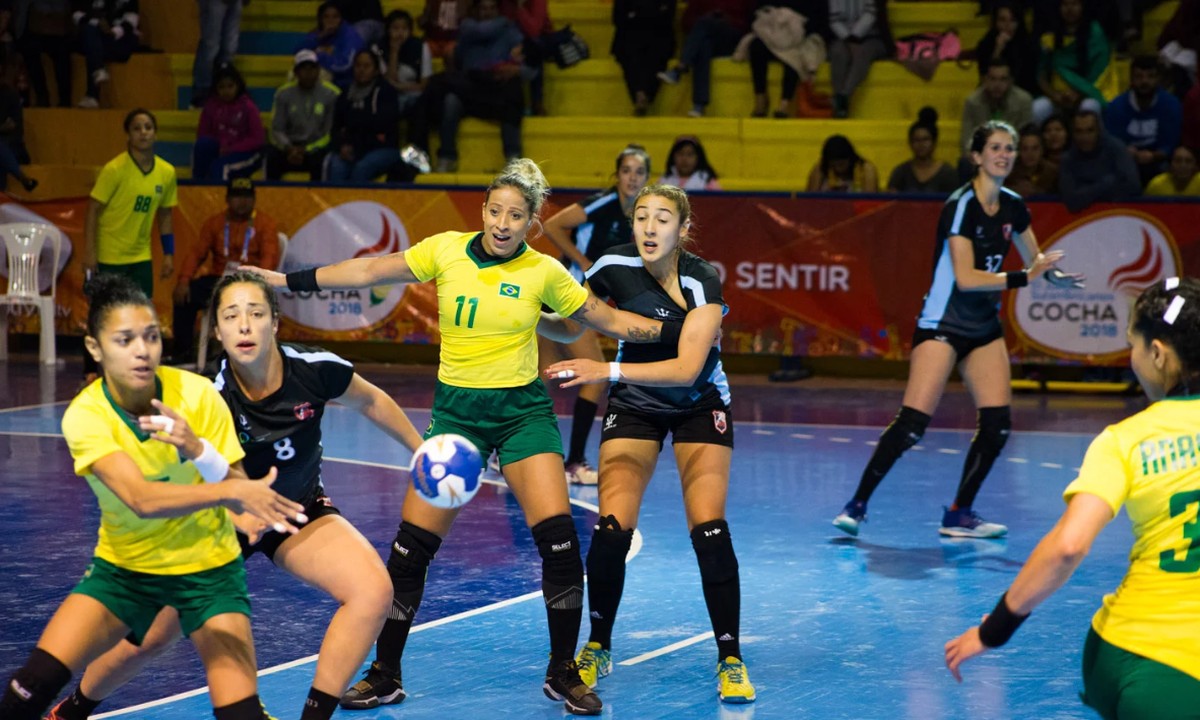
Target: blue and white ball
[[445, 471]]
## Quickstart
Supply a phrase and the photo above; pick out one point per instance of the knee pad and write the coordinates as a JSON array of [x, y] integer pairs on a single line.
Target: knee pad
[[714, 552], [412, 551], [34, 686], [562, 566], [610, 546], [909, 424], [993, 427]]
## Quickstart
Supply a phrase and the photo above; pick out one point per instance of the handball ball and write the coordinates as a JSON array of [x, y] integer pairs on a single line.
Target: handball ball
[[445, 470]]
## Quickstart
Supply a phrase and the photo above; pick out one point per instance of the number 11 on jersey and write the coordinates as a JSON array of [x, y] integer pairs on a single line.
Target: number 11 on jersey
[[462, 300]]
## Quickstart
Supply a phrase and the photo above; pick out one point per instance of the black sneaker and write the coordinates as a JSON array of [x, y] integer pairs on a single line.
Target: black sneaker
[[563, 683], [379, 686]]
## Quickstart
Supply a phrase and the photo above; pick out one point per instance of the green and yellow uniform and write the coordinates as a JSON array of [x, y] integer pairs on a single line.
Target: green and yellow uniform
[[1150, 464], [131, 199], [169, 554], [488, 311]]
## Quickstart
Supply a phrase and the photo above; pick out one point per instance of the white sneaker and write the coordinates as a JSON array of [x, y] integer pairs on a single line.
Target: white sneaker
[[581, 473], [100, 76], [89, 102]]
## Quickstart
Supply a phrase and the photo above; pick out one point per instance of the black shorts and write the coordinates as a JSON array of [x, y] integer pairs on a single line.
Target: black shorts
[[271, 540], [963, 345], [710, 426]]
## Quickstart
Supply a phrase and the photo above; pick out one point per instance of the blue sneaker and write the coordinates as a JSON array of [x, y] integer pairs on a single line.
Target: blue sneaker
[[965, 522], [851, 517]]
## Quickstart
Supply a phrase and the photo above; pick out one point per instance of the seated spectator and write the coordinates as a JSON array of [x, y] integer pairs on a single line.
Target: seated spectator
[[996, 98], [366, 17], [1097, 167], [781, 31], [238, 235], [860, 37], [230, 139], [688, 167], [335, 42], [440, 20], [108, 32], [12, 132], [1146, 118], [841, 169], [1180, 179], [301, 119], [924, 173], [643, 43], [220, 30], [1008, 41], [711, 29], [1178, 44], [533, 18], [1191, 118], [48, 30], [407, 62], [1056, 138], [1075, 63], [365, 126], [1033, 174]]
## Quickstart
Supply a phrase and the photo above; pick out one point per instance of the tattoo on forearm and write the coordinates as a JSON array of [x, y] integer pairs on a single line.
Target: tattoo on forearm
[[633, 333], [642, 335]]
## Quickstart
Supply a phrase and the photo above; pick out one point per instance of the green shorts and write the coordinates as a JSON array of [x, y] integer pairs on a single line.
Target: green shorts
[[136, 597], [1121, 684], [517, 422]]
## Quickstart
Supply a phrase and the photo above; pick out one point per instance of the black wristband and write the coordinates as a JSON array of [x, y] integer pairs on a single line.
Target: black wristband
[[303, 281], [1000, 624], [671, 330], [1016, 279]]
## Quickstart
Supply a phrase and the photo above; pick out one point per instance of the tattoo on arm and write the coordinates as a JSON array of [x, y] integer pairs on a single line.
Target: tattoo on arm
[[650, 332]]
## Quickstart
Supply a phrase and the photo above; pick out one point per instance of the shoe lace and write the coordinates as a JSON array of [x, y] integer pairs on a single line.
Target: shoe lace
[[586, 660], [734, 673]]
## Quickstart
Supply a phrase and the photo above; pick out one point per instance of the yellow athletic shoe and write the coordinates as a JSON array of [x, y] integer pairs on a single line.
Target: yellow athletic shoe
[[733, 682], [594, 663]]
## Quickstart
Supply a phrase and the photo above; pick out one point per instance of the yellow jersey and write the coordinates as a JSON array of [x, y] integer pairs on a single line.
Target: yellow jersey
[[131, 200], [1150, 463], [95, 427], [488, 310], [1162, 186]]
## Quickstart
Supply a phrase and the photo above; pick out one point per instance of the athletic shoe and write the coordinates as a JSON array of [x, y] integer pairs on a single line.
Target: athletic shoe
[[416, 157], [696, 111], [670, 77], [53, 714], [100, 76], [379, 686], [965, 522], [581, 473], [851, 516], [89, 102], [733, 682], [594, 663], [563, 683]]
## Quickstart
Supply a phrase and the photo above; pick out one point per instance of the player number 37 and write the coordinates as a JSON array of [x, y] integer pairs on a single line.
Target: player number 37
[[1181, 503]]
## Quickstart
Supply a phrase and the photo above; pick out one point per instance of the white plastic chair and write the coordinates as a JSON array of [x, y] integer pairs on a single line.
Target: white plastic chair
[[24, 242], [206, 316]]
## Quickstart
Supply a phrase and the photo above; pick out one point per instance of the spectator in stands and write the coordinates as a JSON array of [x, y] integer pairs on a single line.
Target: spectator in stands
[[301, 119], [1033, 174], [230, 140], [48, 29], [1179, 43], [1146, 118], [780, 31], [1191, 118], [366, 140], [860, 37], [1097, 167], [1180, 179], [712, 29], [1007, 40], [533, 18], [997, 98], [108, 32], [842, 169], [1056, 138], [238, 235], [923, 173], [643, 43], [440, 21], [12, 132], [220, 29], [688, 167], [366, 17], [406, 60], [1075, 63], [335, 42]]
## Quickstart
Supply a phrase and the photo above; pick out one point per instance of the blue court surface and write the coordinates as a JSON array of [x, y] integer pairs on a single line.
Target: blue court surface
[[832, 626]]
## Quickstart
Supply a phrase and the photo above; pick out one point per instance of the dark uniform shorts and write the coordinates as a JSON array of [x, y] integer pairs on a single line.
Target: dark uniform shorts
[[271, 540], [963, 345], [707, 426], [516, 422]]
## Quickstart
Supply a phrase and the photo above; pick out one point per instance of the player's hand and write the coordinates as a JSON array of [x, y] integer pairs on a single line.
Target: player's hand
[[1059, 278], [168, 266], [258, 499], [183, 292], [172, 428], [578, 372], [1043, 262], [273, 278], [252, 527], [963, 648]]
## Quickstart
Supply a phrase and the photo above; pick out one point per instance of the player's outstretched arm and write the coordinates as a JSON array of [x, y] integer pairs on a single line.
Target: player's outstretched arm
[[622, 325], [379, 407], [353, 273]]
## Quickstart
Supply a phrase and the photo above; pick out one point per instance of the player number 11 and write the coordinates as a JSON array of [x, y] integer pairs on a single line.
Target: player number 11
[[464, 300]]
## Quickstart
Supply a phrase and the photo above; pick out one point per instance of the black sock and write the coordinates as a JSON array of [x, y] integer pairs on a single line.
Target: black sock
[[562, 583], [412, 551], [32, 688], [249, 709], [319, 705], [581, 427], [722, 584], [77, 706], [991, 434], [905, 430], [606, 577]]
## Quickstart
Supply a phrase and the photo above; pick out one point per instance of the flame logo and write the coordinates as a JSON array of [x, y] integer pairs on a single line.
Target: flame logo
[[1132, 278], [389, 241]]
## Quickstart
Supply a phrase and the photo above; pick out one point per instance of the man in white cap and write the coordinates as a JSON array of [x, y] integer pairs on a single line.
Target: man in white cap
[[301, 120]]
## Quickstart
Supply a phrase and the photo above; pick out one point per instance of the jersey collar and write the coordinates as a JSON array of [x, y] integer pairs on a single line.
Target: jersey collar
[[483, 259], [128, 419]]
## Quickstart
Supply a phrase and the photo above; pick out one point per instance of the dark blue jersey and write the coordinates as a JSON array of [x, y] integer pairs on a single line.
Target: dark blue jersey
[[284, 429], [971, 314], [621, 276], [606, 227]]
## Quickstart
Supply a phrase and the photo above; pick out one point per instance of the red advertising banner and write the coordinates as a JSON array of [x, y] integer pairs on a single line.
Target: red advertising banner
[[802, 276]]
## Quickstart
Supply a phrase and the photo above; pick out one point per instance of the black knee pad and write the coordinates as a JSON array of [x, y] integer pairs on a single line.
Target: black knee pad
[[412, 550], [34, 686], [909, 425], [714, 552], [610, 546], [562, 566], [993, 427]]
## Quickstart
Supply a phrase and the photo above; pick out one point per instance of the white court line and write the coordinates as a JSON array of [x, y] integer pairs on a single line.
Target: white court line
[[668, 649], [21, 433], [33, 407]]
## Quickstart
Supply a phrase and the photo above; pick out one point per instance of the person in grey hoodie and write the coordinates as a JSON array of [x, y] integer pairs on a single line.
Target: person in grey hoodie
[[301, 120], [1097, 167]]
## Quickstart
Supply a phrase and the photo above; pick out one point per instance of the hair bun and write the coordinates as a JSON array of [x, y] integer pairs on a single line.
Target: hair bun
[[927, 116]]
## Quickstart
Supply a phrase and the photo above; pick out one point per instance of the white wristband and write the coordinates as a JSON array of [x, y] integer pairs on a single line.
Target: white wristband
[[614, 372], [212, 465]]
